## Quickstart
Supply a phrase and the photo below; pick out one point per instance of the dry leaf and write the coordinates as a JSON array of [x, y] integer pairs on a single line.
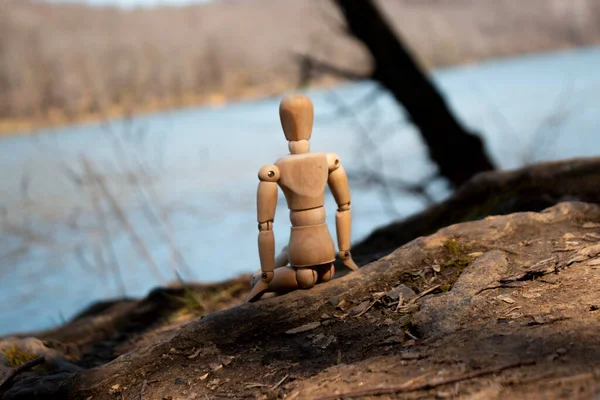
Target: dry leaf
[[304, 328], [195, 354], [342, 305], [591, 225]]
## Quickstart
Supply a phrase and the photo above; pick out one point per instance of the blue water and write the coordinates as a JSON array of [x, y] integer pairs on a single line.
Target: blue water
[[197, 169]]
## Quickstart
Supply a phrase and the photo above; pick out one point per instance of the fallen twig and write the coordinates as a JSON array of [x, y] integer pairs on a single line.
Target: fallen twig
[[279, 383], [411, 387], [510, 285], [591, 237], [142, 389], [363, 312], [262, 385], [563, 250], [255, 385], [21, 368], [423, 293], [410, 305]]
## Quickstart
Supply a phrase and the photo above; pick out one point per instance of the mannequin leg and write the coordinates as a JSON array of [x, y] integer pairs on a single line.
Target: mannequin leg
[[326, 272], [288, 278], [306, 277], [285, 279]]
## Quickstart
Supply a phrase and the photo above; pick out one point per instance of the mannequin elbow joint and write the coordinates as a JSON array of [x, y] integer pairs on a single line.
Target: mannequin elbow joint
[[265, 226], [344, 207]]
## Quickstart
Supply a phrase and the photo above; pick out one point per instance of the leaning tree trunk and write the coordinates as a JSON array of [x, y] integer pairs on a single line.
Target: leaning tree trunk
[[458, 154]]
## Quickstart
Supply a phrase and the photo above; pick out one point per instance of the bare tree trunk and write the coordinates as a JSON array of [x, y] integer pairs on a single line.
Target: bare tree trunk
[[458, 153]]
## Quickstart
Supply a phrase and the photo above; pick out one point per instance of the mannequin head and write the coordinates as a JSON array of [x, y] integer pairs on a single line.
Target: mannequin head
[[297, 114]]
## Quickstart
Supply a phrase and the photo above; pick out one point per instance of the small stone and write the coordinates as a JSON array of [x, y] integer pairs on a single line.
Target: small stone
[[214, 383], [323, 341], [444, 395], [179, 381], [541, 319], [561, 351], [227, 360], [401, 290], [411, 356], [396, 339]]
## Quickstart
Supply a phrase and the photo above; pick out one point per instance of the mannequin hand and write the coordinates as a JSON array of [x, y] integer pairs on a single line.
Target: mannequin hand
[[347, 260], [267, 276], [260, 284]]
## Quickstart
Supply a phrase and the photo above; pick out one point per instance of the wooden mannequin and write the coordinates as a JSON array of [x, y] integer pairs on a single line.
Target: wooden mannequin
[[303, 177]]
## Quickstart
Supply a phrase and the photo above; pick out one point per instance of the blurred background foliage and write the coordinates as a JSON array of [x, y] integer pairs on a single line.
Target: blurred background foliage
[[60, 62]]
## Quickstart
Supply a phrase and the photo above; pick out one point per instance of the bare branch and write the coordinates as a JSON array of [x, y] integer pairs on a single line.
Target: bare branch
[[550, 127], [368, 142], [122, 218], [311, 67], [150, 200], [495, 112], [363, 104], [106, 237], [83, 262]]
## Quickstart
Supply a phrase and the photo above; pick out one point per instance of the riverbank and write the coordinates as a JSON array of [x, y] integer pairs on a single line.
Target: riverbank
[[57, 118], [84, 63], [128, 107]]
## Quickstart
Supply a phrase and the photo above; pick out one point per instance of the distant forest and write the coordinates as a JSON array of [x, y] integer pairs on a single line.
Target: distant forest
[[62, 61]]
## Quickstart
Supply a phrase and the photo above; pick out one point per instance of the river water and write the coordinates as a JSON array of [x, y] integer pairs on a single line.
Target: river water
[[96, 211]]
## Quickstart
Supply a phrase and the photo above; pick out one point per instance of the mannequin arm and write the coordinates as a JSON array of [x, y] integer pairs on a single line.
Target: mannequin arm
[[338, 184], [266, 202]]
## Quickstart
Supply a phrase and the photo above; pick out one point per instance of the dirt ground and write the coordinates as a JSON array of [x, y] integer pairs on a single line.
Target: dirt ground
[[502, 308]]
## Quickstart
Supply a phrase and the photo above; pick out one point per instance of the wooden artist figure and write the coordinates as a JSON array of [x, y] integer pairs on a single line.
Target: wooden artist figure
[[303, 177]]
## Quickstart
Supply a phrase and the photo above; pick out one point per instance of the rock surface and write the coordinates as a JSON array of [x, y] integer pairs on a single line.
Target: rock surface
[[532, 188], [503, 306]]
